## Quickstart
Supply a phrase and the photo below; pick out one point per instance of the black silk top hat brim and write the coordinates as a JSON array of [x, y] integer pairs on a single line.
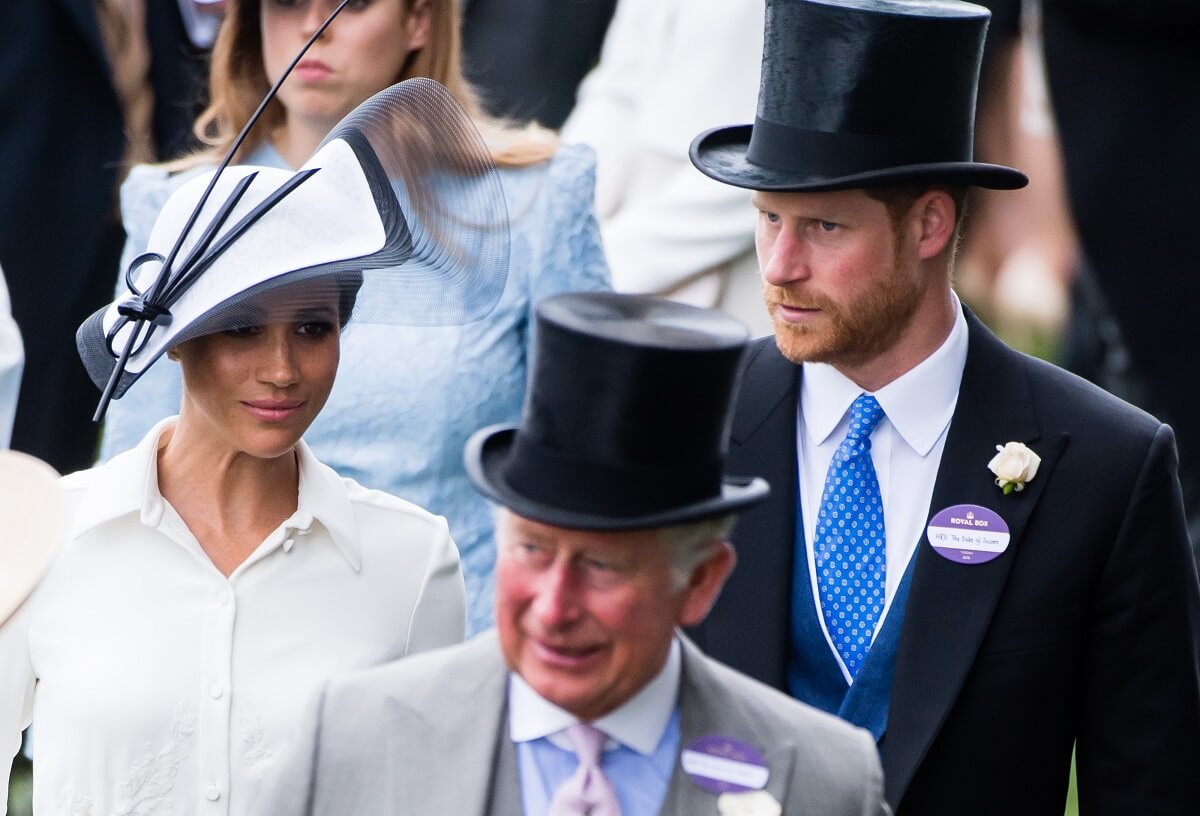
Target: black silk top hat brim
[[626, 419], [860, 93]]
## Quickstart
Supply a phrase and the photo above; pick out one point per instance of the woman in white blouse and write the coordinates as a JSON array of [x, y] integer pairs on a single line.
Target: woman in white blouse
[[217, 574]]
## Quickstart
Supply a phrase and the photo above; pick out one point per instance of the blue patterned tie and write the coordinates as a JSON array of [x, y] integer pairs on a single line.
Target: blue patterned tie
[[849, 540]]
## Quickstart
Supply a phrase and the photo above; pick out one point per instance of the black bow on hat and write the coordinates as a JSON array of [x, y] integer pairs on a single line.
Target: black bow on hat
[[860, 93]]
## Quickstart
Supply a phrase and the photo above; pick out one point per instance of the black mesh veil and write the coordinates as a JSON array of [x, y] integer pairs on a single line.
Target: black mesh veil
[[399, 217], [446, 191]]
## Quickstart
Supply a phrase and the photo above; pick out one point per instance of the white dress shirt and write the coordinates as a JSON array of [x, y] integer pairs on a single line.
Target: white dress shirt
[[12, 362], [159, 686], [906, 449]]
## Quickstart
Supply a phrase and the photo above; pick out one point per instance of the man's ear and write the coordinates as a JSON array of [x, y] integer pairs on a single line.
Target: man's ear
[[934, 215], [705, 584]]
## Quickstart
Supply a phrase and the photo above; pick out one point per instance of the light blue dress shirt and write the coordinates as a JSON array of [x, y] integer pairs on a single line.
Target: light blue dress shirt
[[639, 755], [407, 398], [640, 781]]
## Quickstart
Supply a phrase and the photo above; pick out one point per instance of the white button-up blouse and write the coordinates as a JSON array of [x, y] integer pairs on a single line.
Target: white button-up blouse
[[159, 686]]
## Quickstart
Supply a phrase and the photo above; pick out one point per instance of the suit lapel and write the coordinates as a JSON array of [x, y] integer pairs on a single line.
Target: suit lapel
[[454, 740], [505, 796], [950, 605], [708, 708], [757, 597]]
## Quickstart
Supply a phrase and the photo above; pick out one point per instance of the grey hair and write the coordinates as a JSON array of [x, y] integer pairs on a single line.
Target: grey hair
[[688, 545], [692, 544]]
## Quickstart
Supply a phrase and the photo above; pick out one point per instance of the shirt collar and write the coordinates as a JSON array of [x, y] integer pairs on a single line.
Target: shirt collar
[[638, 724], [919, 403], [324, 497], [128, 483]]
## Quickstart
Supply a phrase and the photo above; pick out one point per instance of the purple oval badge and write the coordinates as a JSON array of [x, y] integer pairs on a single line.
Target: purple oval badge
[[968, 534], [724, 765]]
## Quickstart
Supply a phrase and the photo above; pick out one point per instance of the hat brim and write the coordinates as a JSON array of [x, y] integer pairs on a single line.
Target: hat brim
[[32, 526], [720, 153], [488, 450]]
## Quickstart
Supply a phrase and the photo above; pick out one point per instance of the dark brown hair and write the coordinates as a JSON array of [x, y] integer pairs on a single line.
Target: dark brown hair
[[899, 199]]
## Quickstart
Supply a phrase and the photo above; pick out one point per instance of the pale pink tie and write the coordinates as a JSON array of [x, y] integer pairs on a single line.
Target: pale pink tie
[[588, 792]]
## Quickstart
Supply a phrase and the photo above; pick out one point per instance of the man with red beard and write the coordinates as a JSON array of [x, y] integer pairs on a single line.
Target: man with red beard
[[976, 556]]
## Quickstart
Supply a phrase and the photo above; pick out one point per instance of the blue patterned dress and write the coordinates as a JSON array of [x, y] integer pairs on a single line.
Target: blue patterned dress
[[406, 399]]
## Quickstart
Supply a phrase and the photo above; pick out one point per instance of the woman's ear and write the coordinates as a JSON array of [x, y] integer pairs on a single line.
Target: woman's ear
[[419, 23]]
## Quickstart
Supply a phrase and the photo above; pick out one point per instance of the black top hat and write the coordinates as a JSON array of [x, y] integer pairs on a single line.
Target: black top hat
[[860, 93], [626, 419]]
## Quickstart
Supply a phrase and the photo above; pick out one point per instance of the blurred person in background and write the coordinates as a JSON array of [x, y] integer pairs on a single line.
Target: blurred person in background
[[86, 88], [1123, 80], [669, 69], [1117, 76], [1019, 258], [525, 58], [61, 147], [31, 530], [401, 433], [180, 34], [12, 360]]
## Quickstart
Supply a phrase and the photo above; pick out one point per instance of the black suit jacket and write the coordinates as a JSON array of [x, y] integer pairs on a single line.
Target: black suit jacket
[[1084, 630], [61, 143], [527, 57]]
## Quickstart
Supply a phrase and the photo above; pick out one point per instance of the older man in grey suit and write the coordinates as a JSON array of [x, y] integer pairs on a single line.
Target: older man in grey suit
[[586, 700]]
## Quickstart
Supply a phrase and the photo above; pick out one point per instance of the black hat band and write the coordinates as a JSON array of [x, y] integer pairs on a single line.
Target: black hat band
[[821, 154], [548, 477]]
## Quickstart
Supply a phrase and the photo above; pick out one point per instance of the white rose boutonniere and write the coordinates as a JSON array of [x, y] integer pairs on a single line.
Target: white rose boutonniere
[[748, 803], [1014, 464]]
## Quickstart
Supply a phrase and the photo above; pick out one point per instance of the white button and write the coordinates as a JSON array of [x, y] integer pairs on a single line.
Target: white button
[[216, 691], [225, 597], [213, 793], [287, 545]]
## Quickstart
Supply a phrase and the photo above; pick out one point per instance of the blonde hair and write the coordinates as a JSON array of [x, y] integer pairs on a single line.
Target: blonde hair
[[238, 83]]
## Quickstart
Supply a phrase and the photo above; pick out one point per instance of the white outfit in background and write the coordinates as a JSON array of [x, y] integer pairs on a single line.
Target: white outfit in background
[[671, 69], [12, 362], [160, 686]]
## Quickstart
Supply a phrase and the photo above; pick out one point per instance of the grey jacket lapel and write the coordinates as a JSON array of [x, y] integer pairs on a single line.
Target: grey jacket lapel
[[707, 707], [505, 796], [453, 740]]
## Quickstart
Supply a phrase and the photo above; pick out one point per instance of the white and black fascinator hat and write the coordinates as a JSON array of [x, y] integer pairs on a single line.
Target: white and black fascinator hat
[[399, 214]]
